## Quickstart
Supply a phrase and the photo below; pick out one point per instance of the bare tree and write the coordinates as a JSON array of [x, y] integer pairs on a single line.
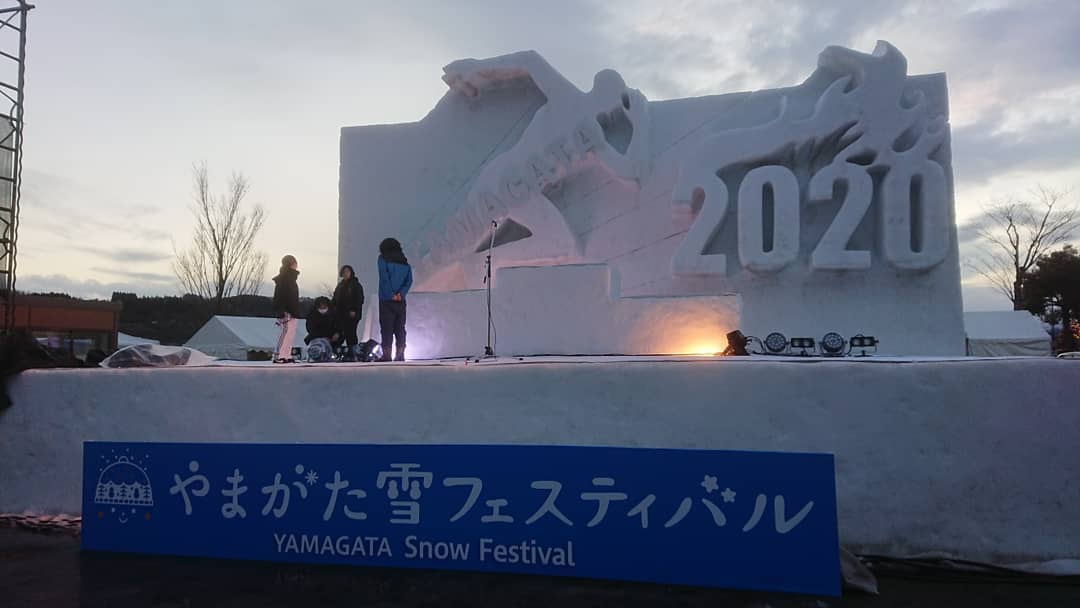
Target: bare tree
[[1015, 233], [222, 261]]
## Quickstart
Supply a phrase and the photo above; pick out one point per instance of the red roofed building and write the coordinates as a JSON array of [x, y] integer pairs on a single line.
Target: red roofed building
[[77, 326]]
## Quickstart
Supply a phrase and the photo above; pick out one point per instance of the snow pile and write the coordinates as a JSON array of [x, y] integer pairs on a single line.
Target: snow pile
[[976, 458]]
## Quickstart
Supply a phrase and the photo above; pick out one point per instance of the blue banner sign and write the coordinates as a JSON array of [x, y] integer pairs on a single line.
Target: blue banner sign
[[751, 520]]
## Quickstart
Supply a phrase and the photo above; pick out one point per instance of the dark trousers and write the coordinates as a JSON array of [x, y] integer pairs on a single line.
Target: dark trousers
[[348, 330], [392, 324]]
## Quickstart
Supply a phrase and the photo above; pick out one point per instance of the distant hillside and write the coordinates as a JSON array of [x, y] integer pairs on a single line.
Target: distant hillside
[[173, 320]]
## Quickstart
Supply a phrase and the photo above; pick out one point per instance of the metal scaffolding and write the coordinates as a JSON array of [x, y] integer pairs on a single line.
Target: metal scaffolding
[[12, 80]]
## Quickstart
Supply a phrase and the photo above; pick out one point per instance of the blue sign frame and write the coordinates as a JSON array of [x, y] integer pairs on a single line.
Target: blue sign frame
[[749, 520]]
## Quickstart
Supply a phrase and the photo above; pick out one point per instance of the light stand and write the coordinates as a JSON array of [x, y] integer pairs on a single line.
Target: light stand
[[489, 349]]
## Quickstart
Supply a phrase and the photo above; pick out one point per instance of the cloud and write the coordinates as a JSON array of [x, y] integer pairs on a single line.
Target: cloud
[[701, 47], [982, 151], [978, 296], [146, 277], [968, 232], [56, 205], [126, 255]]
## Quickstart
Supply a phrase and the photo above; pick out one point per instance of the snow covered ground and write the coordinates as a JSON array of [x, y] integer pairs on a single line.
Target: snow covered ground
[[977, 458]]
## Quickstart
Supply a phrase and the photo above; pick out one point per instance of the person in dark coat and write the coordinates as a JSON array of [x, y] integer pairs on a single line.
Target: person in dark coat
[[321, 323], [287, 308], [395, 279], [348, 306]]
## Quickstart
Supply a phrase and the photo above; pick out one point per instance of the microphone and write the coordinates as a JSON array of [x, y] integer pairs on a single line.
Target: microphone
[[494, 224]]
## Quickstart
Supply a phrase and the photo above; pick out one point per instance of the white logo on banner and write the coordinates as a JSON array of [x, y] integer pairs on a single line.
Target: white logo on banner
[[124, 486]]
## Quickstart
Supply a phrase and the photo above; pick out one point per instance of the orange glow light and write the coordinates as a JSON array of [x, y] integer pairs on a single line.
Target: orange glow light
[[702, 349]]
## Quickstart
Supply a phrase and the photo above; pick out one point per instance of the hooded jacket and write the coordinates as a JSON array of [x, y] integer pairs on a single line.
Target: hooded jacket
[[287, 293]]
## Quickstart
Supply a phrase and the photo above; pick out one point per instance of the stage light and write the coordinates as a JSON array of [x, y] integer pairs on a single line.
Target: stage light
[[862, 343], [776, 343], [802, 344], [319, 350], [736, 344], [368, 351], [832, 344]]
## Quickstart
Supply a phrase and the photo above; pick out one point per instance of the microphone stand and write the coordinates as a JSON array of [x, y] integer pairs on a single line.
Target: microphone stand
[[489, 349]]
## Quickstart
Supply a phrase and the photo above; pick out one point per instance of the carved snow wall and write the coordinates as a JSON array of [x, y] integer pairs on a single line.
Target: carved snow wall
[[827, 206], [566, 310]]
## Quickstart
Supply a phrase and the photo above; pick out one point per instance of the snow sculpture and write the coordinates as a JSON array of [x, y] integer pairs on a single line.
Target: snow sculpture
[[826, 206], [601, 321], [573, 131], [870, 124]]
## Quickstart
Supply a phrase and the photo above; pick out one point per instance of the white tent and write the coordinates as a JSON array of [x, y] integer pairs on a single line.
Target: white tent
[[1001, 333], [123, 340], [232, 337]]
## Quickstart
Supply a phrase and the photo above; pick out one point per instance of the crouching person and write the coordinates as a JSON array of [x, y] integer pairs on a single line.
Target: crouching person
[[395, 279], [323, 334]]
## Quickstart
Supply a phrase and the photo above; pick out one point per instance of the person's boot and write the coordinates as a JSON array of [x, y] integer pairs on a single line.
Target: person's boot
[[400, 354]]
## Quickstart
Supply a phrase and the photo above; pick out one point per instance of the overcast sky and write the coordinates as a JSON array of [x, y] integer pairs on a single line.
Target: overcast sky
[[122, 97]]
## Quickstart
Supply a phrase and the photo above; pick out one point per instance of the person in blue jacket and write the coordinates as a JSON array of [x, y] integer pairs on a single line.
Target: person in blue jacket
[[395, 279]]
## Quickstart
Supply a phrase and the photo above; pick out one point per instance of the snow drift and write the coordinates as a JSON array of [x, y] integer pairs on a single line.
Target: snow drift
[[977, 458]]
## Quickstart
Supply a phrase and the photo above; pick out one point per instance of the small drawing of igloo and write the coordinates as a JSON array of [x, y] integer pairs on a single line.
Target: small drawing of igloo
[[124, 483]]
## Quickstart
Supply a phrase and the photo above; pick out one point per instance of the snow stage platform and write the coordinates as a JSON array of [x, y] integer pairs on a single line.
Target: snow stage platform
[[975, 458]]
